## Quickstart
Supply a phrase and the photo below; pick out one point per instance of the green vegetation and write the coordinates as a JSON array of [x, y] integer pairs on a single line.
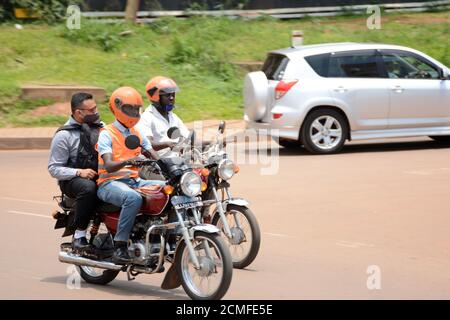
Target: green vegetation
[[196, 52], [49, 11]]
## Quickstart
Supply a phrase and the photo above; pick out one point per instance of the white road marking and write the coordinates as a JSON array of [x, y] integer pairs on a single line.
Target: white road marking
[[29, 214], [350, 244], [421, 173], [427, 172], [26, 200], [278, 235]]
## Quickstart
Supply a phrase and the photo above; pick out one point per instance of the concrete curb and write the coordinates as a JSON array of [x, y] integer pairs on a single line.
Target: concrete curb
[[41, 138], [43, 143], [23, 143]]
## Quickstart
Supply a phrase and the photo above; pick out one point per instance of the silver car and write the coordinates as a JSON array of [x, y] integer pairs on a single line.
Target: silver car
[[319, 96]]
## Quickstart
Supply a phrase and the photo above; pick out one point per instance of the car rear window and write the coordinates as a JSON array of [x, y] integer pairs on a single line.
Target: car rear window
[[274, 66]]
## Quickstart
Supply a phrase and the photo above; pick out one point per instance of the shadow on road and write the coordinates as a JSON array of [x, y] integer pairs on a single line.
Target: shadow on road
[[373, 147], [127, 289]]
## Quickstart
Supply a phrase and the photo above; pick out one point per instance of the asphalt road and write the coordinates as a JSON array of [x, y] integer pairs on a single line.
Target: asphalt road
[[369, 223]]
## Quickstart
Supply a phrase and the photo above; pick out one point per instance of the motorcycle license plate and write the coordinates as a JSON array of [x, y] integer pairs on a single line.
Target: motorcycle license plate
[[183, 202]]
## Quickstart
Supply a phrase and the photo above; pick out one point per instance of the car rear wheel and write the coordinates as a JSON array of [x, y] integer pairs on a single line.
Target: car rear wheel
[[324, 131]]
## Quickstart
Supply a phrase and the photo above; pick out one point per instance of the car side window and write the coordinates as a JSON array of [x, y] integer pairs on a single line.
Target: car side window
[[319, 63], [354, 65], [403, 65], [349, 64]]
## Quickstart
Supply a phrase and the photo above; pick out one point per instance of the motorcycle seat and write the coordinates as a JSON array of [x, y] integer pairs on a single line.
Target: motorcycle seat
[[106, 207], [102, 206]]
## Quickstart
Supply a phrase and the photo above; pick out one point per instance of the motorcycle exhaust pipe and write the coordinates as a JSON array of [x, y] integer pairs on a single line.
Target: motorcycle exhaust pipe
[[80, 261]]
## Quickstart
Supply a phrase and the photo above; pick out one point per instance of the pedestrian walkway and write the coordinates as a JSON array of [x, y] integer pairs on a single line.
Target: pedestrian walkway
[[41, 137]]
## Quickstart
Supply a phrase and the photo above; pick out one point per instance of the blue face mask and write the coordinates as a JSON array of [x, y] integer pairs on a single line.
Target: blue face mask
[[169, 107]]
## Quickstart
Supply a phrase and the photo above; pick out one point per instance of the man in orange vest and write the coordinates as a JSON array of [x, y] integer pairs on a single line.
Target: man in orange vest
[[118, 177]]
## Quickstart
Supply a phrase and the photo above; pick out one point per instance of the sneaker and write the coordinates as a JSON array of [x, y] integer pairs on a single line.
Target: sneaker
[[80, 244]]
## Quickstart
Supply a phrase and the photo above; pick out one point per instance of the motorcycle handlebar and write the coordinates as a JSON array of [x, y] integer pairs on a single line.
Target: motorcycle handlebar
[[141, 163]]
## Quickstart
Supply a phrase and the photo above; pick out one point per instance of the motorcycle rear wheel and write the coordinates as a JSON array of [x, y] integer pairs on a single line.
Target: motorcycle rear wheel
[[97, 275]]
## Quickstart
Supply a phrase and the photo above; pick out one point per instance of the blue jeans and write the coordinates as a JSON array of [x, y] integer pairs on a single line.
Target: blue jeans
[[121, 194]]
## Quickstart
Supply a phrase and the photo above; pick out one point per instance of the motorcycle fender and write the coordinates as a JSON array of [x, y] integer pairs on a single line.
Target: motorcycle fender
[[208, 228], [172, 279], [236, 201]]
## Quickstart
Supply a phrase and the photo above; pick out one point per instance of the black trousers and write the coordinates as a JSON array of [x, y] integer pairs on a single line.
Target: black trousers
[[85, 193]]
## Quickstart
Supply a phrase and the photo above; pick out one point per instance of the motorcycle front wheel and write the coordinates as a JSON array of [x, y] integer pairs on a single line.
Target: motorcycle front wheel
[[246, 238], [212, 280]]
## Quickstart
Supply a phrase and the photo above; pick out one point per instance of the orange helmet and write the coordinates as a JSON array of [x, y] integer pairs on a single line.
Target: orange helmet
[[125, 104], [160, 85]]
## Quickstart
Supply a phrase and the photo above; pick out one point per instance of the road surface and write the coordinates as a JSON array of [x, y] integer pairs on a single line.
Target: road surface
[[370, 223]]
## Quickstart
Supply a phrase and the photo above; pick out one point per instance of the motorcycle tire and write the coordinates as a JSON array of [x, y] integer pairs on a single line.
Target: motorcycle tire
[[226, 264], [104, 278], [256, 235]]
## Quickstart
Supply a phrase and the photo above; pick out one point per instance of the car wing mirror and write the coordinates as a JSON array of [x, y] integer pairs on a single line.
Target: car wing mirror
[[445, 74]]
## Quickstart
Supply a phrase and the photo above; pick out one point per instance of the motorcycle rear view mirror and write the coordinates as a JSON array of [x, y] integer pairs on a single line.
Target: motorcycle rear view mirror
[[173, 133], [222, 127], [132, 142], [192, 138]]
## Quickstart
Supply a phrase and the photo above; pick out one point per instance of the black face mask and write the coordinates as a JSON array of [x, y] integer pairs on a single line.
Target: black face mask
[[91, 118]]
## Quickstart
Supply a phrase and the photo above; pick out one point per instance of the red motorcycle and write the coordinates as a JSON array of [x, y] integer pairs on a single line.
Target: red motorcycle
[[167, 229]]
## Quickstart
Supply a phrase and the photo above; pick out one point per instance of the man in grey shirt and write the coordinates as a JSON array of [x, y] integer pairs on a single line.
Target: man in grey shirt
[[74, 160]]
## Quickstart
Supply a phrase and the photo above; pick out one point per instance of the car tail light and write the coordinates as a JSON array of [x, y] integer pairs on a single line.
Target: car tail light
[[276, 115], [283, 87]]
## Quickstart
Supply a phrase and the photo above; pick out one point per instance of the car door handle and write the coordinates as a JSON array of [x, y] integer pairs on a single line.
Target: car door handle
[[397, 89], [340, 89]]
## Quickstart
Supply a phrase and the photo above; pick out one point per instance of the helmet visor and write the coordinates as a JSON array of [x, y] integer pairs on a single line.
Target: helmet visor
[[131, 110], [168, 90]]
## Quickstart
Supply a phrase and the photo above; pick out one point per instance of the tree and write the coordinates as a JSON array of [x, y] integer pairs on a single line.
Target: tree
[[131, 10]]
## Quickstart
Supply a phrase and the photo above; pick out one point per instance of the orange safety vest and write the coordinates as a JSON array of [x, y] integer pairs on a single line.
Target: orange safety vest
[[120, 153]]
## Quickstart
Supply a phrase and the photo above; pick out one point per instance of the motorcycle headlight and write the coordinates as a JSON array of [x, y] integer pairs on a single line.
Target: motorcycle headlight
[[191, 184], [226, 169]]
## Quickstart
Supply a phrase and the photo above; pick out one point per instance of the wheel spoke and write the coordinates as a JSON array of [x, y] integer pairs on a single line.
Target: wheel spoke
[[335, 133], [317, 137], [329, 123], [317, 125]]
